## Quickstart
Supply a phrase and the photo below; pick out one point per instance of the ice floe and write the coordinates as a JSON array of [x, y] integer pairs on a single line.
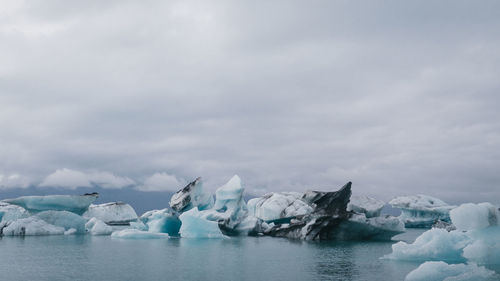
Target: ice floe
[[73, 203], [421, 211]]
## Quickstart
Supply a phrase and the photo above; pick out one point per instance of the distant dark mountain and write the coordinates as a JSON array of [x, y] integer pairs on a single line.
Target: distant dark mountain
[[141, 201]]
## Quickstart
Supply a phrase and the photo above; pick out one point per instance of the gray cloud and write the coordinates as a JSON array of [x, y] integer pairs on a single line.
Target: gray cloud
[[400, 98]]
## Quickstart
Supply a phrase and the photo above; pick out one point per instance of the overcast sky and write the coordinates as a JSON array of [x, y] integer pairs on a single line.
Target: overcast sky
[[399, 97]]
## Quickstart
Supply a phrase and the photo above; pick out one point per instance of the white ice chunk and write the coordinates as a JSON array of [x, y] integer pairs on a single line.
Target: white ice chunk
[[441, 271], [273, 206], [73, 203], [162, 221], [96, 226], [70, 231], [30, 226], [421, 210], [113, 212], [10, 212], [64, 219], [485, 248], [434, 244], [195, 225], [475, 216], [138, 234], [369, 206], [477, 239]]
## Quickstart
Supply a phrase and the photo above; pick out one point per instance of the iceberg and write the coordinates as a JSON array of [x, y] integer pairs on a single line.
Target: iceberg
[[29, 226], [64, 219], [162, 221], [10, 212], [421, 211], [369, 206], [195, 225], [96, 226], [441, 271], [317, 215], [476, 241], [192, 195], [471, 216], [329, 210], [278, 205], [77, 204], [433, 245], [223, 218], [138, 234], [113, 213]]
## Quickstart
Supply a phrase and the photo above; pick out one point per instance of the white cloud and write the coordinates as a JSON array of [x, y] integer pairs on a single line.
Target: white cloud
[[67, 178], [14, 181], [161, 182]]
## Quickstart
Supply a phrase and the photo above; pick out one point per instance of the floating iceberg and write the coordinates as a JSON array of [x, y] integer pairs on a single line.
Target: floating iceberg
[[114, 213], [421, 211], [433, 245], [77, 204], [192, 195], [369, 206], [29, 226], [10, 212], [317, 215], [96, 226], [195, 225], [475, 241], [329, 210], [138, 234], [278, 205], [441, 271], [471, 216], [64, 219], [227, 213], [161, 221]]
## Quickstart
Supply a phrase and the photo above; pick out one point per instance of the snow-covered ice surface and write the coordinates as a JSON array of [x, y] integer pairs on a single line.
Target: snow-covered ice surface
[[369, 206], [73, 203], [441, 271], [113, 213], [476, 241], [421, 210], [138, 234]]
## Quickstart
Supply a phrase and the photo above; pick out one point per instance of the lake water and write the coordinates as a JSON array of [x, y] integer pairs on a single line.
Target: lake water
[[85, 257]]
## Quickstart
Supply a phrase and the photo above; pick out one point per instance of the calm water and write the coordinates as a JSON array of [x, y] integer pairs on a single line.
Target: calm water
[[250, 258]]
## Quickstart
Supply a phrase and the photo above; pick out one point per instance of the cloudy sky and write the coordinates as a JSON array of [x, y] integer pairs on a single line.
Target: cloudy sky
[[398, 97]]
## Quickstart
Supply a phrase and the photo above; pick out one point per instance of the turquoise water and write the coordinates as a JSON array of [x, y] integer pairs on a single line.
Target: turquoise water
[[85, 257]]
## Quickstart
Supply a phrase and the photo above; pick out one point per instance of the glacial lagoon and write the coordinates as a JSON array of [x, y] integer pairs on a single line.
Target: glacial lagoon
[[87, 257]]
